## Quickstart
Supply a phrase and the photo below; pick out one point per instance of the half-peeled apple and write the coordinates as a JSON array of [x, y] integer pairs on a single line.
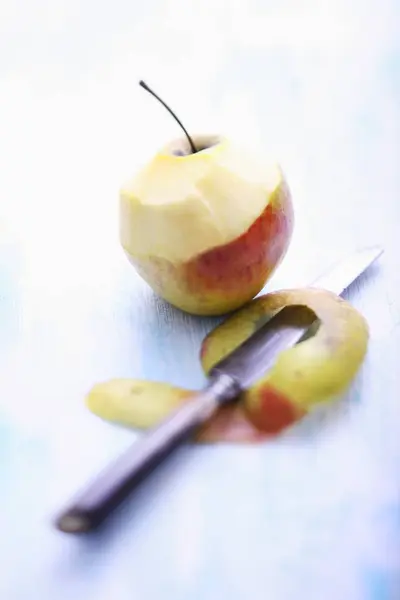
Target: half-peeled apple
[[206, 230], [316, 370]]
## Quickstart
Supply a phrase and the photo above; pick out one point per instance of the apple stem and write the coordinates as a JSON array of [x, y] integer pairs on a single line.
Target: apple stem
[[146, 87]]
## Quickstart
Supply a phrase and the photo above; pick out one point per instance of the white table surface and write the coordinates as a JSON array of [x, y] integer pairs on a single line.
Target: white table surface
[[314, 514]]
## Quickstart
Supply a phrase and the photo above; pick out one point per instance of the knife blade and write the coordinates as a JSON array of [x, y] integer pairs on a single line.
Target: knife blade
[[346, 271], [227, 380]]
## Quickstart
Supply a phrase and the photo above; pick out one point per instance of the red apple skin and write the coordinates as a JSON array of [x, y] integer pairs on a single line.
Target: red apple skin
[[226, 277], [232, 424]]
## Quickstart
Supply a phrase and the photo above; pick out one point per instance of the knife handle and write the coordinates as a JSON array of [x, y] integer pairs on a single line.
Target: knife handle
[[94, 503]]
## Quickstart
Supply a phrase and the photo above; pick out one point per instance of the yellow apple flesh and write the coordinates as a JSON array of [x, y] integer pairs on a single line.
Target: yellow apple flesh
[[206, 230], [316, 370]]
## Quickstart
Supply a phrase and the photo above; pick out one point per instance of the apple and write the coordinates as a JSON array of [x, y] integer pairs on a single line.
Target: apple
[[316, 370], [206, 230], [205, 223]]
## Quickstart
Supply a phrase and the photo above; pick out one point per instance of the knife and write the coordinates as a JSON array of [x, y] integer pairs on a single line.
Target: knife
[[232, 375]]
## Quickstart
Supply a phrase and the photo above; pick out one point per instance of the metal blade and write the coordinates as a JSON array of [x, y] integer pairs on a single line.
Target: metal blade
[[258, 353], [341, 275]]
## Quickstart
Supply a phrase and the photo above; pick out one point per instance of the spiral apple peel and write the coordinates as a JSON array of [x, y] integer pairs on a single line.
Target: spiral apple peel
[[316, 370]]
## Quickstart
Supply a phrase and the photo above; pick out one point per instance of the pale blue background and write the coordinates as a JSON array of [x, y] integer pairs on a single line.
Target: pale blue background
[[315, 514]]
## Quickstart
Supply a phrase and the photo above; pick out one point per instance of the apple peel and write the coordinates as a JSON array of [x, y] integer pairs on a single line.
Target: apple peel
[[316, 370]]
